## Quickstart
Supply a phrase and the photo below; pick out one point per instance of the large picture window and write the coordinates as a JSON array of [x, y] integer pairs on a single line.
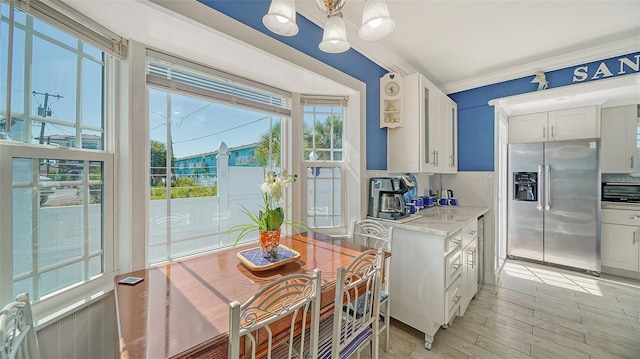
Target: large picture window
[[56, 227], [211, 141]]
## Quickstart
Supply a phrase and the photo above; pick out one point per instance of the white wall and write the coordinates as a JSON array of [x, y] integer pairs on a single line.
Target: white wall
[[89, 332]]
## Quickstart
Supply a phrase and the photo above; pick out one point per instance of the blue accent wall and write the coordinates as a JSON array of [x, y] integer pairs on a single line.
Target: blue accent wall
[[476, 117], [350, 62]]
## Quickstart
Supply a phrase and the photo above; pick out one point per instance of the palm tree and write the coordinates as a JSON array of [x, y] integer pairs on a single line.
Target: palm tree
[[325, 135], [268, 150]]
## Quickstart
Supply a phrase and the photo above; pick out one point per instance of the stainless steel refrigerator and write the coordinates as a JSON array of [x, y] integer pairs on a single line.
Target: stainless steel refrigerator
[[554, 203]]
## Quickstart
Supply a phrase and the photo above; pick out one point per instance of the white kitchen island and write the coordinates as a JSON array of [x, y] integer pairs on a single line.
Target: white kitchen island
[[434, 267]]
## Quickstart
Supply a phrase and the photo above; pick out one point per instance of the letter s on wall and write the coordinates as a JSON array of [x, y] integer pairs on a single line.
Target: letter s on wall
[[580, 73]]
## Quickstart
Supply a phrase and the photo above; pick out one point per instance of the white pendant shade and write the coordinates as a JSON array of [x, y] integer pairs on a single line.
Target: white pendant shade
[[281, 17], [334, 38], [376, 21]]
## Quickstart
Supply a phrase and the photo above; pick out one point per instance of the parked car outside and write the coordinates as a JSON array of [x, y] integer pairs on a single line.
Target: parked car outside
[[47, 188]]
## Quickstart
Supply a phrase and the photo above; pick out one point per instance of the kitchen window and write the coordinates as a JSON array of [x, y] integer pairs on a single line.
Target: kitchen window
[[56, 178], [324, 177]]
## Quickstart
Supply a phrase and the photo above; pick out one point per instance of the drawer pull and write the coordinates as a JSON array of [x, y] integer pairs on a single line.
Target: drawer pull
[[456, 299], [458, 265], [472, 232]]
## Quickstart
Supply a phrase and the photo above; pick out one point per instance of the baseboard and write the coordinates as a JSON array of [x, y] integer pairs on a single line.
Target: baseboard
[[621, 272]]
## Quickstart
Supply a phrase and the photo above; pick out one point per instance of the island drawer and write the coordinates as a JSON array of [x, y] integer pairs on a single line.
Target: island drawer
[[469, 232], [451, 299], [453, 242], [453, 267]]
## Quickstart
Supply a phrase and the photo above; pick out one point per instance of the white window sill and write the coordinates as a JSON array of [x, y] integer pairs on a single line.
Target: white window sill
[[55, 307]]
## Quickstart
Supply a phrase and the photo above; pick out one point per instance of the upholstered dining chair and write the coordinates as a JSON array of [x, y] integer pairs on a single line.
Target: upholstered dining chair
[[344, 334], [292, 302], [372, 234], [17, 332]]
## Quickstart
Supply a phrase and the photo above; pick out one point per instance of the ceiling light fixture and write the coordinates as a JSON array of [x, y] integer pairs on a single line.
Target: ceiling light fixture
[[376, 22]]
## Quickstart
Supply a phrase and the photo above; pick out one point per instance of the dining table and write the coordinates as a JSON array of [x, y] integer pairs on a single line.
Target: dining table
[[180, 309]]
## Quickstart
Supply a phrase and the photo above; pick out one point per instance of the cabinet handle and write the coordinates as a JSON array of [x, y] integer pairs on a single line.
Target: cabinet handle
[[634, 237], [473, 259], [544, 132], [437, 158], [456, 299], [632, 161], [552, 134]]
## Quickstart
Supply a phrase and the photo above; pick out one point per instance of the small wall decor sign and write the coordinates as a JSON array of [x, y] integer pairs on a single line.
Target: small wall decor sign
[[613, 67]]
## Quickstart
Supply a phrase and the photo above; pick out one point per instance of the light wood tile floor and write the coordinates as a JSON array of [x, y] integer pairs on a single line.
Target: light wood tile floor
[[536, 311]]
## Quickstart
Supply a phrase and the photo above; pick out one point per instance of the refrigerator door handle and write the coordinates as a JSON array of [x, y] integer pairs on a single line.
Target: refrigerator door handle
[[539, 184], [547, 187]]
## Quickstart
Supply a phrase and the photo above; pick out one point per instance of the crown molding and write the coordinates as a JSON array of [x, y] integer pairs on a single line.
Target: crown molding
[[596, 53]]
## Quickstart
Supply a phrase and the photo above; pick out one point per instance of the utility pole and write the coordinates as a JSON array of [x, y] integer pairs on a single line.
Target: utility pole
[[46, 109]]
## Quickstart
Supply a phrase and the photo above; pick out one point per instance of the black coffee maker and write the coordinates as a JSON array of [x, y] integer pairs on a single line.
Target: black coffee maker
[[386, 197]]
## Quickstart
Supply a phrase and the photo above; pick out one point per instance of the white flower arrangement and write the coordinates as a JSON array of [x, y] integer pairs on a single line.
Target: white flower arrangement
[[271, 216]]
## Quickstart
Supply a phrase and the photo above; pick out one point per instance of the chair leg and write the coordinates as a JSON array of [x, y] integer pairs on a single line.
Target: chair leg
[[387, 323]]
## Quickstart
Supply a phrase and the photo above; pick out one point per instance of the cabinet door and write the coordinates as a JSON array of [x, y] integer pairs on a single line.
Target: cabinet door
[[619, 246], [469, 274], [528, 128], [618, 141], [449, 146], [431, 127], [404, 144], [573, 124]]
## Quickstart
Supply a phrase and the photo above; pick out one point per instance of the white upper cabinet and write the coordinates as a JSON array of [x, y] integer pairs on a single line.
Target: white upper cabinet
[[569, 124], [528, 128], [618, 145], [427, 140], [574, 124], [448, 162]]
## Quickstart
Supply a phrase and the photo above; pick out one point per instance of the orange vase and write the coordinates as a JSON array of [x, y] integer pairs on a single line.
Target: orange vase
[[269, 242]]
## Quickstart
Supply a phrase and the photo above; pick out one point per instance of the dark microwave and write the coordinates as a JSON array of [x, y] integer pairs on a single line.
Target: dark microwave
[[621, 192]]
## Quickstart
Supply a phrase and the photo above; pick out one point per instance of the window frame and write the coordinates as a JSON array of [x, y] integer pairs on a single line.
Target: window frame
[[51, 304], [61, 302], [279, 106], [325, 101]]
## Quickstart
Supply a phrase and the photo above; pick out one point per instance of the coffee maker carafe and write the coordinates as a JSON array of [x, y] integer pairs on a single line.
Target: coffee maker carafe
[[386, 197]]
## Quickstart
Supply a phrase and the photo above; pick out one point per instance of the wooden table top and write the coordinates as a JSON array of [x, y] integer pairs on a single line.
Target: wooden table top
[[182, 307]]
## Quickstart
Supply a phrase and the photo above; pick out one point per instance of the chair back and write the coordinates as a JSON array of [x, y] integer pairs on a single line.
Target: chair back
[[291, 302], [357, 289], [17, 332], [372, 234]]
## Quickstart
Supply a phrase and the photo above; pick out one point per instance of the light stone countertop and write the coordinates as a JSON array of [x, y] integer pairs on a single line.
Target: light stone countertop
[[443, 221]]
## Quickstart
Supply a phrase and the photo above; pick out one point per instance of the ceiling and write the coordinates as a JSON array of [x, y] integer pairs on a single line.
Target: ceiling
[[465, 44], [458, 45]]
